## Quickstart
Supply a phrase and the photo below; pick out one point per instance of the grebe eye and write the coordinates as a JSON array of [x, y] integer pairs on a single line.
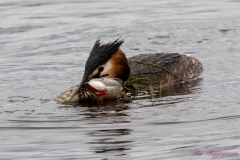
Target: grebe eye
[[100, 69]]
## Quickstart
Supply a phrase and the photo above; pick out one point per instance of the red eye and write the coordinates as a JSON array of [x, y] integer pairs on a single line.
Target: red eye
[[100, 69]]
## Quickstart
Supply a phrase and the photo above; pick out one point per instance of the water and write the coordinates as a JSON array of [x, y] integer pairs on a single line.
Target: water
[[43, 49]]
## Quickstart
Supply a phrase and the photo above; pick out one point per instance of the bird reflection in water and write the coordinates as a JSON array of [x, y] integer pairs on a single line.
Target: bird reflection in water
[[109, 144], [108, 139], [182, 88]]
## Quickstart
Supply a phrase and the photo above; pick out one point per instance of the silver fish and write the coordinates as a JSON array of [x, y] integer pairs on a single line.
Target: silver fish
[[104, 88]]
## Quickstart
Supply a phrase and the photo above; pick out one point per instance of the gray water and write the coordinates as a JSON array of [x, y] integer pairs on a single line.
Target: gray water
[[43, 49]]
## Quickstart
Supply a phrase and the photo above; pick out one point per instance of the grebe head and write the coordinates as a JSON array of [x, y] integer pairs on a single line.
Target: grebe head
[[105, 60]]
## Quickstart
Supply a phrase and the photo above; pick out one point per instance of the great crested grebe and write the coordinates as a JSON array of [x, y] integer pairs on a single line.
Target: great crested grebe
[[107, 71]]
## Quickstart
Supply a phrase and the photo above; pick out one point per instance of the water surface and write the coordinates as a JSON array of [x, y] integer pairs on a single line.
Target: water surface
[[43, 49]]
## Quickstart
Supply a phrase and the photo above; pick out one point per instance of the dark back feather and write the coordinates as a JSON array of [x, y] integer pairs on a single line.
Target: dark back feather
[[186, 67]]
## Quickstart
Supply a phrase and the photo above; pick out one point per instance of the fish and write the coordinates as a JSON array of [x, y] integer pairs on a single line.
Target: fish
[[103, 88]]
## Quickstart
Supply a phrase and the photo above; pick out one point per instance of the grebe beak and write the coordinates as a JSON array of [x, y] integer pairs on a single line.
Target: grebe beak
[[75, 91]]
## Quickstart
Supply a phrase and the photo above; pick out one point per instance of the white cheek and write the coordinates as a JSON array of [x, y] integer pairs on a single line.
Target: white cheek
[[106, 67]]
